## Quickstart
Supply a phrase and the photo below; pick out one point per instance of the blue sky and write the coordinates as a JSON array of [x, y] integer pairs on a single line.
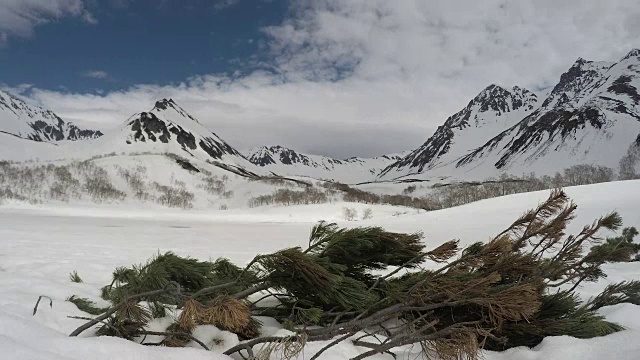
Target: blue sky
[[150, 41], [306, 74]]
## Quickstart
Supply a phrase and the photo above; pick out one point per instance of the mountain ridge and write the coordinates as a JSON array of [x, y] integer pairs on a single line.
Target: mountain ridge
[[592, 104], [591, 115], [35, 123], [286, 161]]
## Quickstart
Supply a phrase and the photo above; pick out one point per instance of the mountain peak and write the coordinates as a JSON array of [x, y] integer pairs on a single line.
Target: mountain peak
[[500, 100], [169, 128], [573, 81], [493, 88], [633, 53], [581, 61], [265, 155], [38, 124], [165, 105]]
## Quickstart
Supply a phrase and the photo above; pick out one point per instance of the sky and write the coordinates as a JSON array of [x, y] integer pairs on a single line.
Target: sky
[[306, 74]]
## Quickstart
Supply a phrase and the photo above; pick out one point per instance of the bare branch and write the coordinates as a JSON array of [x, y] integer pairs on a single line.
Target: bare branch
[[35, 308]]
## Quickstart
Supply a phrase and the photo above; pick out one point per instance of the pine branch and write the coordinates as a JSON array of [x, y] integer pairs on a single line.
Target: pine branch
[[105, 323], [213, 289], [331, 344], [180, 334], [115, 308], [411, 339], [495, 295], [252, 290]]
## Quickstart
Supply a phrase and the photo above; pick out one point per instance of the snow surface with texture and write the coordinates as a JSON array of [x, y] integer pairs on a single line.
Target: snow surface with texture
[[41, 245]]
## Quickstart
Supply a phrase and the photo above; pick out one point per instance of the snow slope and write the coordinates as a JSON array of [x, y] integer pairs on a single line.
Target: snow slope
[[490, 112], [34, 123], [15, 148], [166, 128], [288, 162], [592, 116], [169, 128], [138, 177], [94, 243]]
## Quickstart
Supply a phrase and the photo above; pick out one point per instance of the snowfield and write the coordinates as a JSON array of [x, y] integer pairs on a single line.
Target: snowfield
[[41, 244]]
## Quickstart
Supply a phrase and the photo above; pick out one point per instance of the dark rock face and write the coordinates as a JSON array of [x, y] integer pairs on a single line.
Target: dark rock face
[[148, 127], [622, 86], [263, 160], [184, 138], [47, 132], [289, 157], [566, 118], [493, 99], [216, 149], [187, 165], [582, 75], [268, 155], [536, 128], [78, 134], [165, 104], [436, 146], [588, 97], [391, 157]]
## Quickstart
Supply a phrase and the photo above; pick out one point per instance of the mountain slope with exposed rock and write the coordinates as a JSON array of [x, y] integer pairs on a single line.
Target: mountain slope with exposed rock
[[284, 161], [19, 119], [591, 116]]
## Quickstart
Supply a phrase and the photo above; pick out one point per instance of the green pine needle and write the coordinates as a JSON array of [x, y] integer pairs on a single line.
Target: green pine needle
[[86, 305], [74, 277]]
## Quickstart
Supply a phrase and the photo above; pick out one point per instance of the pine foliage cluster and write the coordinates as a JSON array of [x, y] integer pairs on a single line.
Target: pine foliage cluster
[[511, 291]]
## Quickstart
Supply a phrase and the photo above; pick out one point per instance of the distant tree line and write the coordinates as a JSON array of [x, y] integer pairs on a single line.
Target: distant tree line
[[441, 196], [371, 288], [449, 195], [309, 195]]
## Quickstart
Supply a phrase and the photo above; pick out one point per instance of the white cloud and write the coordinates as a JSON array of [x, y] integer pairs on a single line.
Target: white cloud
[[389, 72], [19, 89], [96, 74], [20, 17]]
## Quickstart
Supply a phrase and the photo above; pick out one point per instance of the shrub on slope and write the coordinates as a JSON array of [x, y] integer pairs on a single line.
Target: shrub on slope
[[511, 291]]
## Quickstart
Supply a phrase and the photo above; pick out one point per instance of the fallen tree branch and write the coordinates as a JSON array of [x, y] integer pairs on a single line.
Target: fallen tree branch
[[35, 308], [410, 339], [163, 333], [331, 344], [101, 322], [252, 290], [113, 309]]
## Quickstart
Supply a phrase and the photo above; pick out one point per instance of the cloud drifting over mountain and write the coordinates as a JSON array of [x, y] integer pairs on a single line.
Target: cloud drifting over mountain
[[389, 71]]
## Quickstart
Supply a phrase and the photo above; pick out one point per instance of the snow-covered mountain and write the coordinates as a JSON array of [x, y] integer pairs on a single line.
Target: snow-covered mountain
[[38, 124], [167, 128], [284, 161], [490, 112], [591, 116]]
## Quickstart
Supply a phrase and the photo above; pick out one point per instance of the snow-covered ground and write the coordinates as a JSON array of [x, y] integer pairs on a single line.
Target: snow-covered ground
[[41, 245]]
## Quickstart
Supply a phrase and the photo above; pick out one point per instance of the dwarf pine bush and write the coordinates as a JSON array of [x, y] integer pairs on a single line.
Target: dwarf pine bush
[[493, 295]]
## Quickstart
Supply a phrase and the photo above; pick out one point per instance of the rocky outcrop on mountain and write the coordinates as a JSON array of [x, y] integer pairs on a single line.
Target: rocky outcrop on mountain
[[285, 161], [34, 123], [591, 115]]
